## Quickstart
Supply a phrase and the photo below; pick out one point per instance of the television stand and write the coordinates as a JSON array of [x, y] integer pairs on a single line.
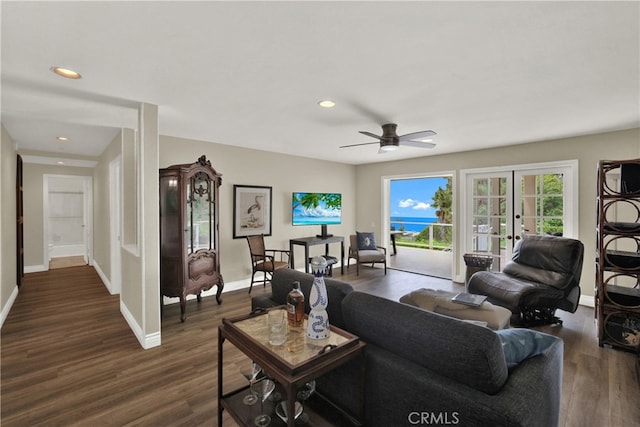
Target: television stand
[[326, 236], [307, 242], [323, 232]]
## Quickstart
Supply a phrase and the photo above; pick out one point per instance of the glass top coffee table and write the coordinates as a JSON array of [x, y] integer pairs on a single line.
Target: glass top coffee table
[[291, 367]]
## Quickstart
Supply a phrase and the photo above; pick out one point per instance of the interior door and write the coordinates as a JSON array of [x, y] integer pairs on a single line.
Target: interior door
[[20, 224], [507, 205]]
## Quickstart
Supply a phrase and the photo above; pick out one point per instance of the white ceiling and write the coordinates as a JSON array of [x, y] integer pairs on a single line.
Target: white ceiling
[[250, 74]]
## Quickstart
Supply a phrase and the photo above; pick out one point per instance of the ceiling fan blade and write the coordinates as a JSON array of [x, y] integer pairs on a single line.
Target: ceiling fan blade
[[364, 132], [419, 144], [355, 145], [417, 135]]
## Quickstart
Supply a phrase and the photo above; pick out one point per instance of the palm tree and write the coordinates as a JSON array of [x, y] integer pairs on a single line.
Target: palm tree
[[443, 201]]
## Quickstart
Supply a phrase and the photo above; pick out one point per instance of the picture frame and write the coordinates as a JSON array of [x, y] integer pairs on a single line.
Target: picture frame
[[251, 210]]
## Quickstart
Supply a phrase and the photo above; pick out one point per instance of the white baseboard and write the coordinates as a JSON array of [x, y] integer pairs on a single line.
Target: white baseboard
[[35, 268], [7, 307], [103, 277], [66, 250], [146, 341], [587, 301]]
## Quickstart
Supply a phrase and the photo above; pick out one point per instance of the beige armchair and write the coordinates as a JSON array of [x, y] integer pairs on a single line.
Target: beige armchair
[[363, 248]]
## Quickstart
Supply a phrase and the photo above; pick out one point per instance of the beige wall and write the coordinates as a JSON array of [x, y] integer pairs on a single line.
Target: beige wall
[[101, 208], [360, 186], [139, 291], [33, 176], [8, 234], [586, 149], [285, 174]]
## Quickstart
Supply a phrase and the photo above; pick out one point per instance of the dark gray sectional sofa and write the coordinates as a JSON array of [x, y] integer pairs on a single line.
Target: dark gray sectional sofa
[[424, 368]]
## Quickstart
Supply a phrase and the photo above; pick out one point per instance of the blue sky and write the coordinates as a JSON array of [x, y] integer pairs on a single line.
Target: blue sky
[[414, 197]]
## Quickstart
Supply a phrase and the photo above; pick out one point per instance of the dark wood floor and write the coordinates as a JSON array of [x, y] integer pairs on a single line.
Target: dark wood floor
[[69, 358]]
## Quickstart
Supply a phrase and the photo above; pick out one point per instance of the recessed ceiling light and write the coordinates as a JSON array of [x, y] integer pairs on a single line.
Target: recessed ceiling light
[[66, 73], [61, 163], [62, 138], [327, 103]]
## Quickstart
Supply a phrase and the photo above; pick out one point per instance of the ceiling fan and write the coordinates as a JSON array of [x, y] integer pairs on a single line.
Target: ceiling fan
[[390, 141]]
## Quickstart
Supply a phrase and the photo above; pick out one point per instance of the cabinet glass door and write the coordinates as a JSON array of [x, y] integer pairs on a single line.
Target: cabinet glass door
[[170, 212], [199, 213]]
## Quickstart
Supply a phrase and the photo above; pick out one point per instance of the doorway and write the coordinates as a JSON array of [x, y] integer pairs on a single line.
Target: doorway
[[420, 219], [19, 223], [502, 206], [115, 225], [67, 208]]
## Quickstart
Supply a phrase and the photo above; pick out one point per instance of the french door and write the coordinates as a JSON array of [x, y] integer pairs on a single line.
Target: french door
[[505, 205]]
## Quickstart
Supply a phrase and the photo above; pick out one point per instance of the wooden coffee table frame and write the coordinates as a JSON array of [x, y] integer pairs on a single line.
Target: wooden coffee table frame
[[289, 375]]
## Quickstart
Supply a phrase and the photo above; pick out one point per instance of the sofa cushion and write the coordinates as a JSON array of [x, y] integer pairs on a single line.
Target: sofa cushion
[[466, 353], [520, 344], [366, 241]]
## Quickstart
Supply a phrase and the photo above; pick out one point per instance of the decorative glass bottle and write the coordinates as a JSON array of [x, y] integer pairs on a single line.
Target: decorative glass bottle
[[295, 307], [318, 321]]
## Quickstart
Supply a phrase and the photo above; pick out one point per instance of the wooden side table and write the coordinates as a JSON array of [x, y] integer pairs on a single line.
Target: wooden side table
[[289, 369]]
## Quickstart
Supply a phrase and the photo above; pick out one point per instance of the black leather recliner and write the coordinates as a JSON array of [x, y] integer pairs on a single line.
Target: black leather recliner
[[542, 276]]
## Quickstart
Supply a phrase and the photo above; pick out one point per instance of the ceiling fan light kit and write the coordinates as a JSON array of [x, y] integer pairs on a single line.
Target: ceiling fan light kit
[[390, 141], [387, 148]]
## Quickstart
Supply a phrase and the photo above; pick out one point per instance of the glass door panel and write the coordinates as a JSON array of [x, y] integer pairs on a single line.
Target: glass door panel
[[542, 204], [170, 209], [490, 216], [199, 213], [507, 205]]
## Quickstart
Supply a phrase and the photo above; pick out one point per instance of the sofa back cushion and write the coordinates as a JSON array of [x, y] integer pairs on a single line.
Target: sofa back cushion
[[466, 353], [282, 283]]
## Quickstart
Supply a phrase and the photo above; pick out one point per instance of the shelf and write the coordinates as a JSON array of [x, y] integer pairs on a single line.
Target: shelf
[[618, 307], [622, 297], [621, 329], [621, 228], [621, 260], [245, 415]]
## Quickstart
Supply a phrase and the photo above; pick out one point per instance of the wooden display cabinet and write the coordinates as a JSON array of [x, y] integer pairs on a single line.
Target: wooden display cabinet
[[189, 241]]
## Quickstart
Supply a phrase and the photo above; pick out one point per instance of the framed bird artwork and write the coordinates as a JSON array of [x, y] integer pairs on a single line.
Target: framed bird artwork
[[251, 210]]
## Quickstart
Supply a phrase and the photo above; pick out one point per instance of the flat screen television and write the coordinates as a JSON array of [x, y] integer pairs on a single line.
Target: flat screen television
[[317, 209]]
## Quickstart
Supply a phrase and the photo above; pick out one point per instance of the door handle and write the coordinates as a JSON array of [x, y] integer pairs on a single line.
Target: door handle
[[509, 237]]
